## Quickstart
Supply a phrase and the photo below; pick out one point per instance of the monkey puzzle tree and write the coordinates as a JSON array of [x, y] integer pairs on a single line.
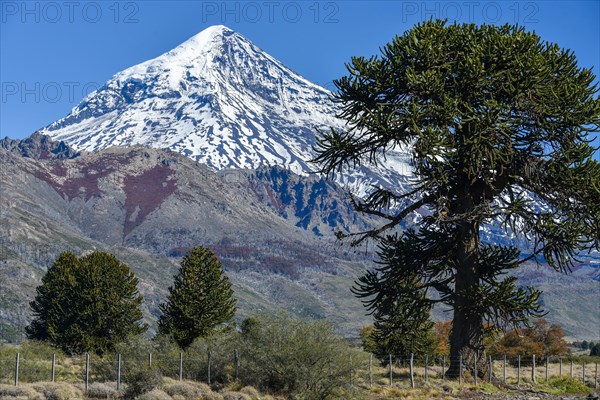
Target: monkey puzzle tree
[[497, 123], [402, 324], [200, 298], [88, 303]]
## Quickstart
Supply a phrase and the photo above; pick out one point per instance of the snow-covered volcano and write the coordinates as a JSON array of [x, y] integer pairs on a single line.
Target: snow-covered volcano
[[220, 100]]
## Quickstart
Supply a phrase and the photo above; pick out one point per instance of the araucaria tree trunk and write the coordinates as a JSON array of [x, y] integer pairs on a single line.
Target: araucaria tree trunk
[[466, 337]]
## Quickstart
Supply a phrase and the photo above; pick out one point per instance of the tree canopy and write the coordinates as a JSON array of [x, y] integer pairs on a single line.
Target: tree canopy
[[200, 299], [498, 124], [86, 304], [539, 339]]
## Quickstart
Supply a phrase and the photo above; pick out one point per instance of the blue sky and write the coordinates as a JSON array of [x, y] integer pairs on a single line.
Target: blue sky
[[52, 53]]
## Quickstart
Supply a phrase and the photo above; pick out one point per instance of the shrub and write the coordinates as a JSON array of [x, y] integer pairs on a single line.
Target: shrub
[[222, 346], [98, 390], [144, 380], [35, 360], [538, 339], [19, 392], [302, 357], [167, 356], [58, 391], [235, 396], [134, 356], [569, 385], [40, 350], [155, 394], [187, 389], [250, 391]]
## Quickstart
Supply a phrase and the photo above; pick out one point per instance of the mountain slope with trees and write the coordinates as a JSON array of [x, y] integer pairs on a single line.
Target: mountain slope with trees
[[50, 205]]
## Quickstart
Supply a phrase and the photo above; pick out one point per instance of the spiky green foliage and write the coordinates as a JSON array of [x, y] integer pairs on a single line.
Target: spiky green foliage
[[498, 124], [398, 304], [200, 299], [86, 304]]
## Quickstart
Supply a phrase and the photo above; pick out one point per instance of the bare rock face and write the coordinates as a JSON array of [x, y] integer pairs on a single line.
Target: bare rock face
[[39, 146], [151, 206]]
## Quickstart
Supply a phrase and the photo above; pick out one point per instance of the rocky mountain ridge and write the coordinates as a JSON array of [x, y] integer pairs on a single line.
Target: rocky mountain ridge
[[271, 227]]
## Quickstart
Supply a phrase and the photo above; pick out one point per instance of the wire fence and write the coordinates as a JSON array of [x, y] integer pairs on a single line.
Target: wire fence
[[215, 366]]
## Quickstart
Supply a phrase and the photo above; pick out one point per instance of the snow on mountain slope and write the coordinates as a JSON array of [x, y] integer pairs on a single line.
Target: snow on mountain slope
[[222, 101]]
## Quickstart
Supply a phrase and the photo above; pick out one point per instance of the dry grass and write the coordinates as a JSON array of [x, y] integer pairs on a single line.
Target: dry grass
[[155, 394], [431, 388], [435, 388], [251, 392], [169, 390], [235, 396], [186, 389], [8, 392], [102, 390], [401, 374], [58, 390]]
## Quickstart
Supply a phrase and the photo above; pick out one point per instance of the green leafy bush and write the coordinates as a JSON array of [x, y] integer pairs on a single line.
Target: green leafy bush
[[142, 380], [134, 356], [222, 346], [567, 385], [304, 358]]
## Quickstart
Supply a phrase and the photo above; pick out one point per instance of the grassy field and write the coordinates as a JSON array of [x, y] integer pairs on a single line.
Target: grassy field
[[35, 372], [360, 390]]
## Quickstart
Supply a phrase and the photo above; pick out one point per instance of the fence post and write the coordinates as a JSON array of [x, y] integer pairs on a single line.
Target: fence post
[[181, 365], [53, 366], [391, 372], [350, 370], [150, 359], [412, 377], [17, 359], [571, 368], [460, 369], [87, 371], [533, 369], [444, 368], [118, 372], [371, 369], [237, 363], [426, 365], [596, 377], [475, 368], [546, 369], [208, 372], [583, 373], [560, 367], [491, 369], [505, 368], [519, 369]]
